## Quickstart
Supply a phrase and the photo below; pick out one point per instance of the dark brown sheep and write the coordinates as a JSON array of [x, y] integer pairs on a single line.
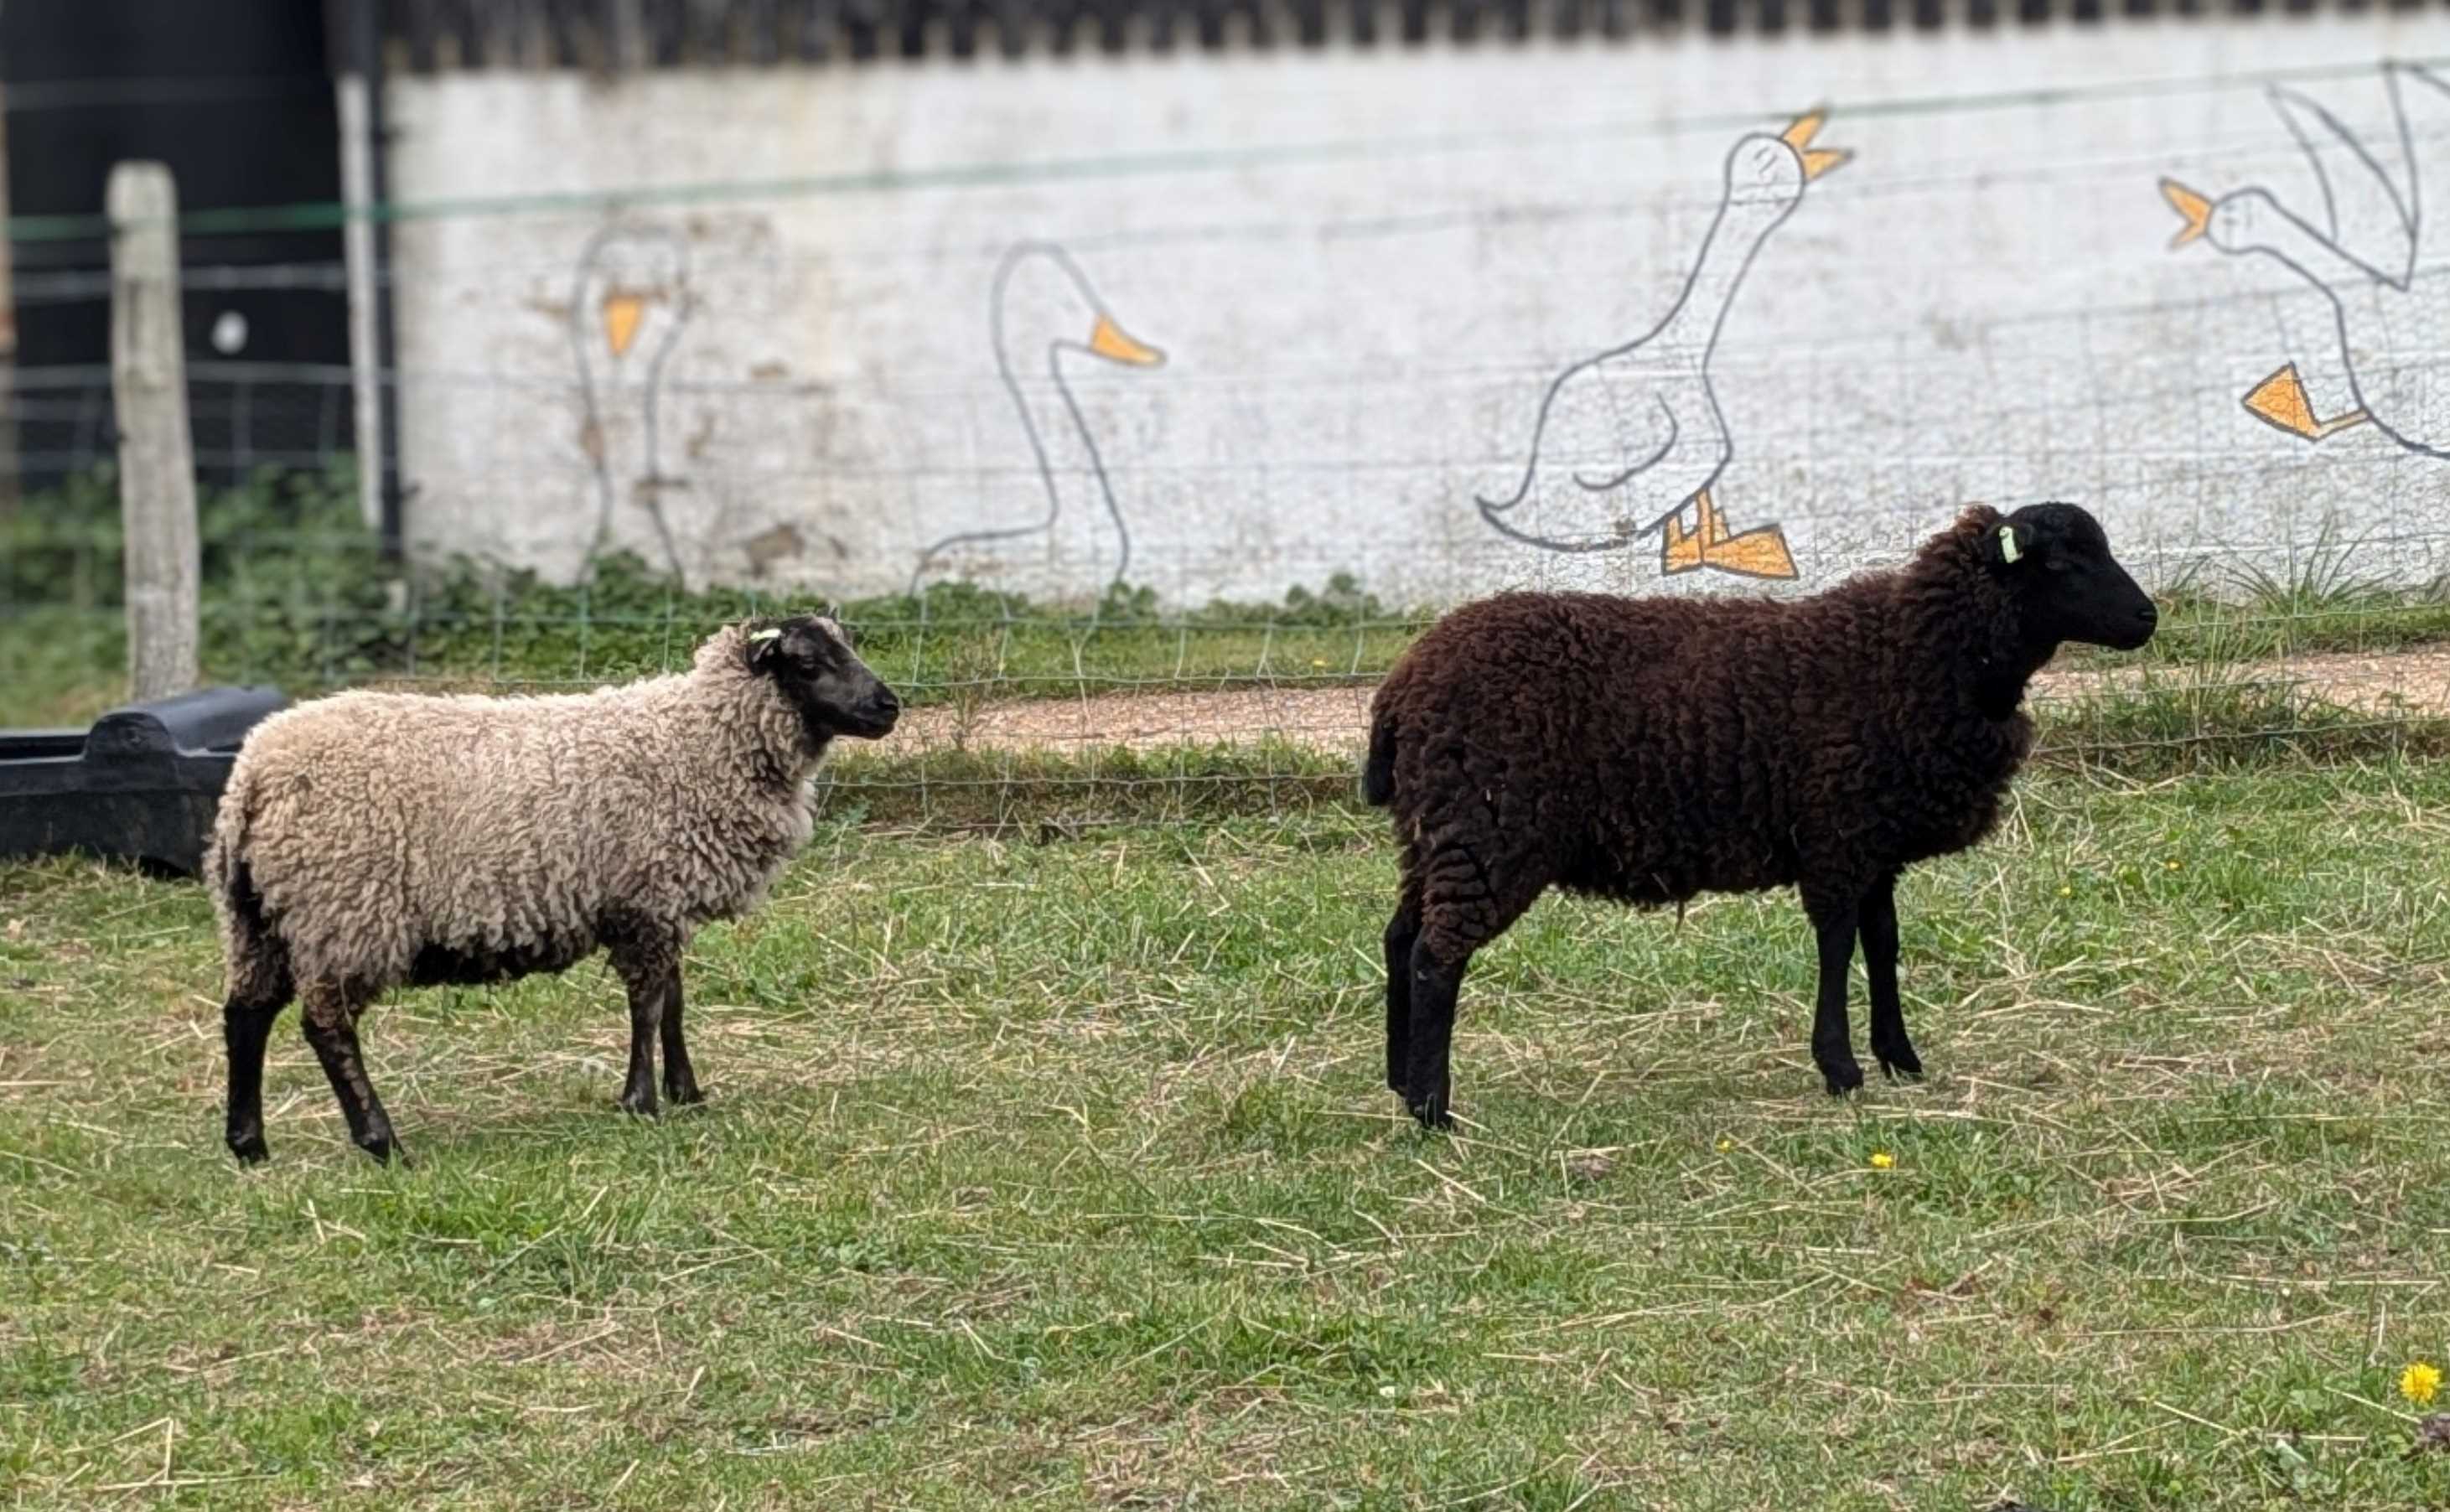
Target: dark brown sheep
[[1647, 749]]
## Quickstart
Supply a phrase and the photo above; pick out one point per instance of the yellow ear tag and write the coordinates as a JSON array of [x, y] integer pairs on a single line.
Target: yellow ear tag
[[765, 635], [2009, 550]]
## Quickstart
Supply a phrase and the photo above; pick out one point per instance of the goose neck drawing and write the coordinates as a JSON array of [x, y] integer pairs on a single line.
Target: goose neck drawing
[[627, 308], [1041, 310]]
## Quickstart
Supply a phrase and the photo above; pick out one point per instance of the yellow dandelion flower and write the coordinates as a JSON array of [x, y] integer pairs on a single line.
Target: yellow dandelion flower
[[2173, 863], [2421, 1382], [1882, 1160], [1318, 661], [2066, 892], [1726, 1145]]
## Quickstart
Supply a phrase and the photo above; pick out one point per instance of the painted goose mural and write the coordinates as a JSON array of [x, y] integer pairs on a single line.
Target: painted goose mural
[[2375, 256], [1042, 309], [626, 315], [1627, 439]]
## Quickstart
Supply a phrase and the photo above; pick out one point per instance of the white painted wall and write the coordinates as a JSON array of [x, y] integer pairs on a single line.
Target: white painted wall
[[1365, 271]]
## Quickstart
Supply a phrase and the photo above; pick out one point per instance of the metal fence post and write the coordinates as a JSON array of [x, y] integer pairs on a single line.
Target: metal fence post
[[157, 474]]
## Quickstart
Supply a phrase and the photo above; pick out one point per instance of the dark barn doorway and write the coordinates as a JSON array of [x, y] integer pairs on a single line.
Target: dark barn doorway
[[237, 97]]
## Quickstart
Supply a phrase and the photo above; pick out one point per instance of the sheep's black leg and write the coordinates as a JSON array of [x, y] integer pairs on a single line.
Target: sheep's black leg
[[1833, 1048], [680, 1081], [650, 962], [1468, 897], [1429, 1089], [1401, 932], [331, 1019], [245, 1025], [1894, 1051]]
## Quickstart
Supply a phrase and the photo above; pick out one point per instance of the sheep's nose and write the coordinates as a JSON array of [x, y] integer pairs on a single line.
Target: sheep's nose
[[886, 700], [2148, 615]]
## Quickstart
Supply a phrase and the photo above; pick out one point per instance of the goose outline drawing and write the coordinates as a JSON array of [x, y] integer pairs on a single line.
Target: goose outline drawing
[[1042, 308], [2375, 243], [1626, 440], [627, 312]]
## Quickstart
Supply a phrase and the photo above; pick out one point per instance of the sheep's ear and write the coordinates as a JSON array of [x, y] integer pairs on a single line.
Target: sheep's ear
[[763, 646], [2011, 543]]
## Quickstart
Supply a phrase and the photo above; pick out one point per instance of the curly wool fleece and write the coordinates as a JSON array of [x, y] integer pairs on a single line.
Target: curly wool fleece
[[376, 825]]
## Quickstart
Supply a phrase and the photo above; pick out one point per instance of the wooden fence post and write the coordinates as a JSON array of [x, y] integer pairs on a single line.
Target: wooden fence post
[[157, 474]]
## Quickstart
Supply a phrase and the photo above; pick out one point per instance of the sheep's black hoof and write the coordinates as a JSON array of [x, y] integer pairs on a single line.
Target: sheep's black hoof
[[1843, 1076], [385, 1152], [250, 1149], [637, 1103], [1900, 1064], [683, 1097], [1432, 1114]]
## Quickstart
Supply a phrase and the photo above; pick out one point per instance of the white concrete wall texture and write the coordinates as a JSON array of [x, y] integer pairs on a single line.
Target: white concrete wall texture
[[1744, 316]]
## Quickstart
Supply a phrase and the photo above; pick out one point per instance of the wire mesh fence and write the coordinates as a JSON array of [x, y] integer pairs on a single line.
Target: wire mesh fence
[[1170, 577], [1125, 710]]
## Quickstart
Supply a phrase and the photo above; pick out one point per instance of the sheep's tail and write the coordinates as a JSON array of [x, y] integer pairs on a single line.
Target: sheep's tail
[[1378, 770], [254, 959], [225, 855]]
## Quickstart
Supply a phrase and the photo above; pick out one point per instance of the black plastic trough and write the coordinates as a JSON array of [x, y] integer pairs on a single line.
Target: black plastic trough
[[140, 786]]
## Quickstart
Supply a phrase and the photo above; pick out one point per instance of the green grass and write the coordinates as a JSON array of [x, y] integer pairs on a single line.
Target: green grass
[[1057, 1174]]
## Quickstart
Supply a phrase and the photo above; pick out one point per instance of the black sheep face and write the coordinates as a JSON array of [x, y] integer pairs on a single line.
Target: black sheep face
[[811, 661], [2068, 586]]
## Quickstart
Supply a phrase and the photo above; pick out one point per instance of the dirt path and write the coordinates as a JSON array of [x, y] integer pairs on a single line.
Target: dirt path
[[1335, 718]]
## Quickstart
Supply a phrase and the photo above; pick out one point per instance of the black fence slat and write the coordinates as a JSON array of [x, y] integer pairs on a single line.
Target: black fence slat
[[614, 35], [569, 39], [665, 27], [863, 29], [706, 31], [419, 28], [762, 32], [806, 29], [502, 31], [458, 26]]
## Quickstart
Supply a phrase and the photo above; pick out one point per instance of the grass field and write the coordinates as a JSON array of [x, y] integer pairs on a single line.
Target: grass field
[[1057, 1174]]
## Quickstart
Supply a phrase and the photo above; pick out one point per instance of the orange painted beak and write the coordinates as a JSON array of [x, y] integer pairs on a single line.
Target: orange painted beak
[[1798, 135], [1112, 343], [622, 312], [2197, 210]]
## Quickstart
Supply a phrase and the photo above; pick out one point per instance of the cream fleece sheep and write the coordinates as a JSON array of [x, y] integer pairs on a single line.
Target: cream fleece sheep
[[371, 840]]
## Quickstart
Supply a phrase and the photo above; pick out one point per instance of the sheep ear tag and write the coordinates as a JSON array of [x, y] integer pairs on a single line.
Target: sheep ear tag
[[762, 643], [2009, 550]]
